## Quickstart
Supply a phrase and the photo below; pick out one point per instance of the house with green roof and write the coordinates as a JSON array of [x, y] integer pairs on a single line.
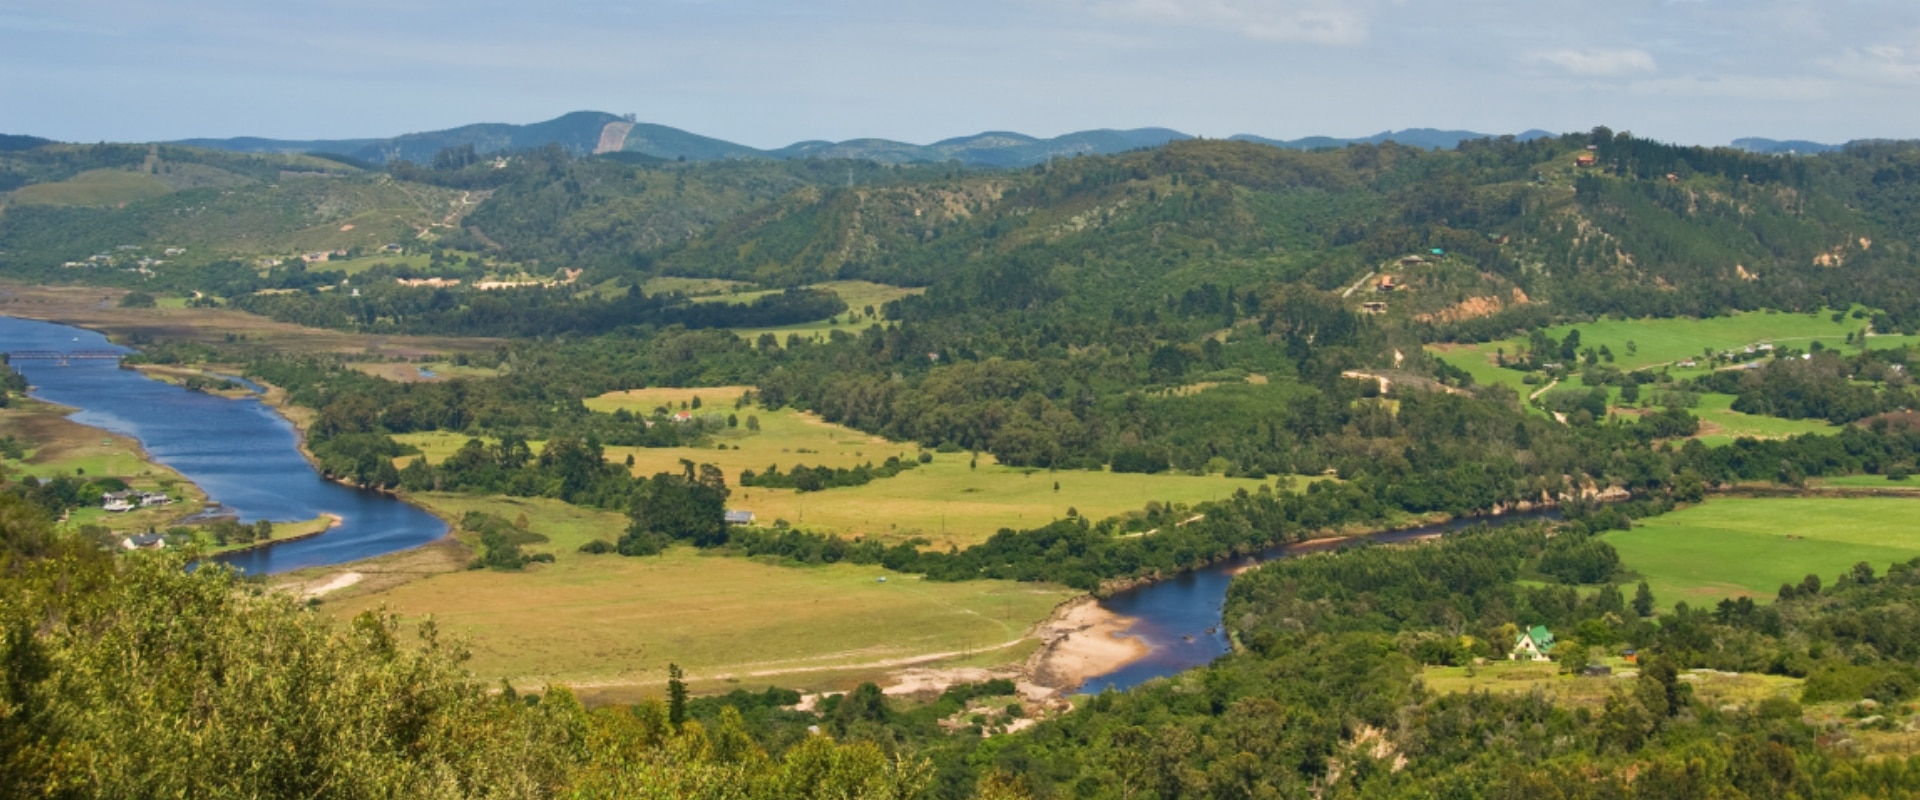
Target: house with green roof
[[1534, 644]]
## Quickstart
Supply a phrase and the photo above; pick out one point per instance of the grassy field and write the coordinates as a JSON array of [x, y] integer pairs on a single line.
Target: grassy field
[[1911, 483], [1720, 424], [1665, 341], [1737, 546], [951, 504], [410, 372], [98, 187], [612, 620], [694, 287], [946, 501], [59, 446], [858, 296], [644, 401], [1521, 677], [355, 266]]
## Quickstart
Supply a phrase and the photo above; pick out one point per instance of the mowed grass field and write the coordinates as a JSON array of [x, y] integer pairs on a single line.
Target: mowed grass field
[[1742, 546], [600, 620]]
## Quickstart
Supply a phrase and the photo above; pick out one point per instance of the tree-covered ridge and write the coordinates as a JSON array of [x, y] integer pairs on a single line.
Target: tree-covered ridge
[[138, 678]]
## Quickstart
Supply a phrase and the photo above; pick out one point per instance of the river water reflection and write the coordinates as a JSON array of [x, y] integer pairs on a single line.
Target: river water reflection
[[242, 454]]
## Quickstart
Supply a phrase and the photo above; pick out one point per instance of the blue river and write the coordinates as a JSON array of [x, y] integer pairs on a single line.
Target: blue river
[[242, 454], [1179, 619]]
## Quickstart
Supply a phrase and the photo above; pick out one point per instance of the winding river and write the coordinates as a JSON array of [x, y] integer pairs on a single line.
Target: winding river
[[242, 454], [1179, 619], [247, 458]]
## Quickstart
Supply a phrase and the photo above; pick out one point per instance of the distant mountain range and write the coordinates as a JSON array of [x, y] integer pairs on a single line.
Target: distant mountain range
[[1757, 145], [585, 132]]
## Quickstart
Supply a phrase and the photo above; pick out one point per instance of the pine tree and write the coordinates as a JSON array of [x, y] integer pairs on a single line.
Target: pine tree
[[676, 696], [1643, 600]]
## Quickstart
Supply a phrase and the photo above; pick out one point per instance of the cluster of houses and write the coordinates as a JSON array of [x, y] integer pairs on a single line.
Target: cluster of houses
[[130, 500]]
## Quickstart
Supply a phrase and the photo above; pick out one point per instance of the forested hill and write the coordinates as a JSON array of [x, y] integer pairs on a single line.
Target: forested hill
[[584, 132]]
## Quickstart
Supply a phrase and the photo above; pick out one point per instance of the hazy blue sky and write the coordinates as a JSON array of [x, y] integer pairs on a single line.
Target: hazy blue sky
[[769, 73]]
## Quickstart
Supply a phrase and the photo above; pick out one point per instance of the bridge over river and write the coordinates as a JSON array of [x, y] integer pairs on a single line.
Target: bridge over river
[[64, 356]]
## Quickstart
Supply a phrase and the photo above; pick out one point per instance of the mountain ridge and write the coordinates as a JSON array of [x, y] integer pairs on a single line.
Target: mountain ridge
[[599, 132]]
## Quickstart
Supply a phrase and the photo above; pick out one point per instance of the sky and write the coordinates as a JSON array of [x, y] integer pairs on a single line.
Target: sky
[[767, 74]]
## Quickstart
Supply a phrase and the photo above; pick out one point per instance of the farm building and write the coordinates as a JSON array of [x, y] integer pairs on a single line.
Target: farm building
[[739, 518], [1534, 644]]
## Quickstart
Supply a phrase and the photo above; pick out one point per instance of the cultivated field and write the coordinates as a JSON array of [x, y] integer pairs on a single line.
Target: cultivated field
[[1737, 546], [607, 621]]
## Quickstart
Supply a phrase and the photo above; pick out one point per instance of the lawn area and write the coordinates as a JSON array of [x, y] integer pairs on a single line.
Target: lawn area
[[1745, 546], [1521, 677], [610, 619]]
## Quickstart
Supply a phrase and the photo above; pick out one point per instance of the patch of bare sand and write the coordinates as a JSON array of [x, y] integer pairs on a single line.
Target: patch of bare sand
[[340, 581], [1081, 641]]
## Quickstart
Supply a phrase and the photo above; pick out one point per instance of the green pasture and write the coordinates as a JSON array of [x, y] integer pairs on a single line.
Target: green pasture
[[1720, 424], [1910, 483], [858, 295], [1744, 546], [607, 621], [1659, 342], [694, 287]]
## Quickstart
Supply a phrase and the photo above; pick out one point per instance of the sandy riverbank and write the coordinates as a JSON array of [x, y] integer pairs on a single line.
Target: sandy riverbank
[[1082, 641]]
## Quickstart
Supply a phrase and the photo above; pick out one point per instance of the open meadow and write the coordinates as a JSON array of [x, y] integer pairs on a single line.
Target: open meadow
[[951, 501], [1730, 547], [858, 295], [1659, 342], [1524, 677], [608, 621]]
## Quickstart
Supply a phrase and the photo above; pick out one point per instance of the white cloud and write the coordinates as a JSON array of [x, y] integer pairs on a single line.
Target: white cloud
[[1598, 63], [1885, 64], [1741, 87], [1326, 22]]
